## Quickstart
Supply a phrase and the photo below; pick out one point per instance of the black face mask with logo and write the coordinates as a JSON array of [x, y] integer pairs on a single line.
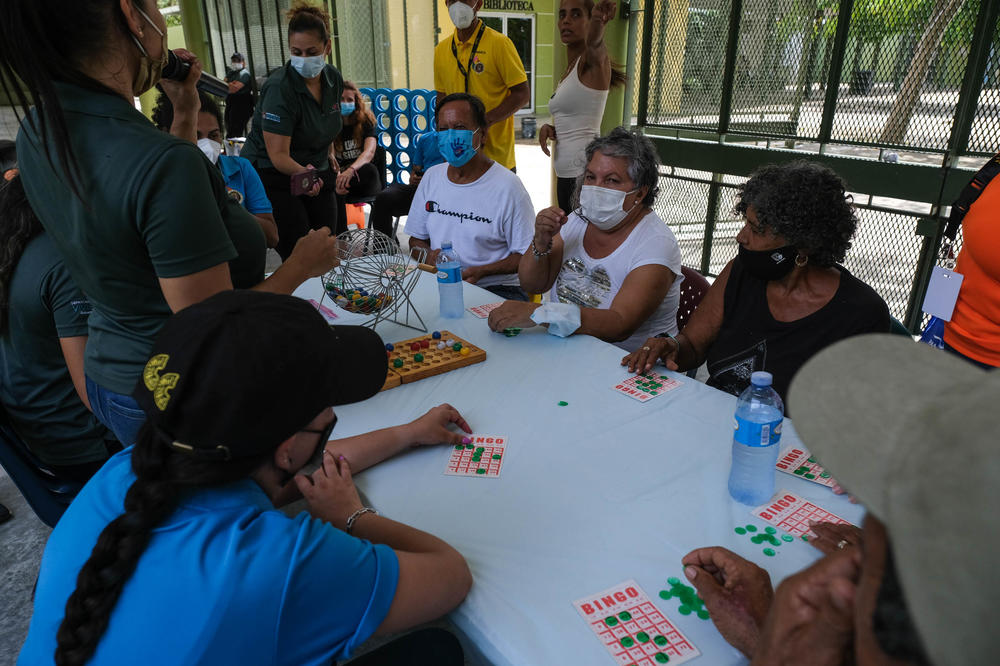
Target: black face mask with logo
[[769, 265]]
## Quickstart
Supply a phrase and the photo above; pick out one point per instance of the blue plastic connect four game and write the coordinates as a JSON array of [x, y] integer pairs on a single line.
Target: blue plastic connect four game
[[400, 116]]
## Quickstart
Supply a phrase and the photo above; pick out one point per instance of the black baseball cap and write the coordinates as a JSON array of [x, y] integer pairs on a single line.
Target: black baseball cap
[[238, 373], [236, 56]]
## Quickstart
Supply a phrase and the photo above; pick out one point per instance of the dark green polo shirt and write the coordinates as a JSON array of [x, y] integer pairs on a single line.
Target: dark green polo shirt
[[243, 76], [154, 207], [286, 107], [35, 386]]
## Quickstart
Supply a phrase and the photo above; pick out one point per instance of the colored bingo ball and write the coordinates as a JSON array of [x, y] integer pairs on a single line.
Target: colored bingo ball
[[436, 335]]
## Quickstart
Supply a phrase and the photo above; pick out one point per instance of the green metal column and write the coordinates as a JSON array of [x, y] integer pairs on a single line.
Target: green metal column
[[195, 32], [616, 39]]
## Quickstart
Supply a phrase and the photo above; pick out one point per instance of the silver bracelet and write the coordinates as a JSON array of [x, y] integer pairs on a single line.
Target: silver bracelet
[[357, 514], [539, 255]]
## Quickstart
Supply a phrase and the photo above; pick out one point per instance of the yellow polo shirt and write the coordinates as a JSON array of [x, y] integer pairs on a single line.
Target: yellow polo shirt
[[496, 68]]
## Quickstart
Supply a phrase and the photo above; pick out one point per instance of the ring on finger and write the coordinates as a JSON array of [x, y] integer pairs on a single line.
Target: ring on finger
[[645, 349], [843, 543]]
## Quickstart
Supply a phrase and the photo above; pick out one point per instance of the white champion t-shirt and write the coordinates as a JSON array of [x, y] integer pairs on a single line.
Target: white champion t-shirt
[[485, 220], [594, 283]]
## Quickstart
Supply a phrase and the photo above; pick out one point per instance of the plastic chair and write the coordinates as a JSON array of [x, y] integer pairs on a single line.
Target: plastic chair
[[47, 495], [693, 289]]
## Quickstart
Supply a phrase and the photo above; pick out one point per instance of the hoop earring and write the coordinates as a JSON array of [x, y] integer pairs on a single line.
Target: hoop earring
[[801, 259]]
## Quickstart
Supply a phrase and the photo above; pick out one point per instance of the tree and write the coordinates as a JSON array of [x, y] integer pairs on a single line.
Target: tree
[[895, 128]]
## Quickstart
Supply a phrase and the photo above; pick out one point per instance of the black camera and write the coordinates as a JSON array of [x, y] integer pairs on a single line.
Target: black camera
[[177, 70]]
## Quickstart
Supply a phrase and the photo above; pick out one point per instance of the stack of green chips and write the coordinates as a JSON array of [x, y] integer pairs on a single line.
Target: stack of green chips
[[690, 601]]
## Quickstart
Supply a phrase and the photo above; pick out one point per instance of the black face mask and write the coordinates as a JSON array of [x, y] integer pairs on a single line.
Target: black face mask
[[769, 265]]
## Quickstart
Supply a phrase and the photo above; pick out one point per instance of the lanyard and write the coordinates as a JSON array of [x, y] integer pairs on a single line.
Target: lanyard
[[475, 45]]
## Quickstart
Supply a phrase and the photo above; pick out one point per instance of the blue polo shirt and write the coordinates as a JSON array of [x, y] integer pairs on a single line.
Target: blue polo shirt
[[242, 179], [425, 151], [226, 579]]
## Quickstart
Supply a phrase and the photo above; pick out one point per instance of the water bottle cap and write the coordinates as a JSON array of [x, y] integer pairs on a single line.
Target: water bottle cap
[[761, 378], [445, 245]]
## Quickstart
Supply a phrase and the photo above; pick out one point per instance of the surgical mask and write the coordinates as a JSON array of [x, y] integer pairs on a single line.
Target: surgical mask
[[346, 108], [211, 149], [462, 15], [602, 206], [308, 66], [456, 145], [769, 265], [150, 71], [236, 66]]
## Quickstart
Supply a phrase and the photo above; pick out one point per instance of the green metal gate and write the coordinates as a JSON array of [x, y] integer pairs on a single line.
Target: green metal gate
[[900, 97]]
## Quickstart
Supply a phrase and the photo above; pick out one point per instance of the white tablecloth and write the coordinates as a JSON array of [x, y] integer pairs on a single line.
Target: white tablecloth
[[590, 494]]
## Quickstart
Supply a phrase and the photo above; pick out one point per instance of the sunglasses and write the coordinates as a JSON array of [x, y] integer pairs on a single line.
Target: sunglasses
[[316, 459]]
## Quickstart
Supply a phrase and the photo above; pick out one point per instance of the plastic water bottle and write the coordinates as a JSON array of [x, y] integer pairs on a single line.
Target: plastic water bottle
[[449, 273], [759, 414]]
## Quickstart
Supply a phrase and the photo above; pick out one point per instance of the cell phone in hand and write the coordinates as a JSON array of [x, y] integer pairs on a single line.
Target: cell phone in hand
[[303, 182]]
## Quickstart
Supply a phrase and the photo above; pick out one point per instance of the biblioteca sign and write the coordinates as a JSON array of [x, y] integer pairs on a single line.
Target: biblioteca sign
[[509, 5]]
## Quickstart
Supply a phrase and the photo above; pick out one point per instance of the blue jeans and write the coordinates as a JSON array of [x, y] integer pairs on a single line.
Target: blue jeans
[[119, 413]]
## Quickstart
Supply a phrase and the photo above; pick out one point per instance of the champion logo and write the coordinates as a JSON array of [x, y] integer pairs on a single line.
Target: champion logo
[[434, 207]]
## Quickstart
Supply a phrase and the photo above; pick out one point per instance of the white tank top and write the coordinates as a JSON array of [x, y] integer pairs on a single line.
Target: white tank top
[[576, 114]]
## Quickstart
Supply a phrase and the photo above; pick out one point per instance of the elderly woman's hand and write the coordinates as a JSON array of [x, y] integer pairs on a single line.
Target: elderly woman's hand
[[547, 224], [512, 314], [644, 358]]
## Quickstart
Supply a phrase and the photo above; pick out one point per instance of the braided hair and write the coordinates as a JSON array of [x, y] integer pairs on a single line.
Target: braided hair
[[161, 474]]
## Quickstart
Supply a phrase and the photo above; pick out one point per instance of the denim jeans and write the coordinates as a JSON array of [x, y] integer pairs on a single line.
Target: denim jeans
[[119, 413]]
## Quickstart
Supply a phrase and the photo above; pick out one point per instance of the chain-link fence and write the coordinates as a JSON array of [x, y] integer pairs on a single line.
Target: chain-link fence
[[898, 83]]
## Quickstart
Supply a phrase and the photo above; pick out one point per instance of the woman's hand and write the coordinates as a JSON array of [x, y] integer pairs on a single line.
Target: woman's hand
[[548, 222], [330, 491], [604, 11], [546, 132], [643, 359], [512, 314], [432, 427], [184, 94], [317, 186], [737, 594], [830, 536], [344, 179], [317, 252]]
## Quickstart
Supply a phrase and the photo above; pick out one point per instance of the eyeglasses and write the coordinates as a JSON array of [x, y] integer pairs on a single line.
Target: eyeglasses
[[324, 436]]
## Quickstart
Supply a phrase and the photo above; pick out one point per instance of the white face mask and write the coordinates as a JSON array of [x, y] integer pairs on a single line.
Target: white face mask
[[462, 15], [602, 206], [211, 149], [308, 66]]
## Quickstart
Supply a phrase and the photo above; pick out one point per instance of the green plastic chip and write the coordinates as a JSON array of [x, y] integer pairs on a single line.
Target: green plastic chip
[[661, 658], [660, 640], [611, 620], [624, 616], [627, 641], [642, 637], [769, 552]]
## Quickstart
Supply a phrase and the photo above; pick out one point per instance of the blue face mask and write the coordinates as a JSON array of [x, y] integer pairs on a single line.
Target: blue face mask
[[346, 108], [456, 146], [308, 66]]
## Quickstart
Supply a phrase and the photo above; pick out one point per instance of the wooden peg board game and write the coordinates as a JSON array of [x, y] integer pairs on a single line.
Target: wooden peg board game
[[435, 361]]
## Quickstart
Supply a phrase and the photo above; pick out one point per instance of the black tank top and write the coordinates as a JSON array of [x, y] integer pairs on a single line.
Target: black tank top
[[751, 339]]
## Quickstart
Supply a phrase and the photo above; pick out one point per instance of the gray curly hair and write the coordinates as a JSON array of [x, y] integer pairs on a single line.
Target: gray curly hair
[[643, 162]]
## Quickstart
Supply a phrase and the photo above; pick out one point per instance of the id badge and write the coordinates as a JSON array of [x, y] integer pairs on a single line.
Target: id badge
[[942, 293]]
